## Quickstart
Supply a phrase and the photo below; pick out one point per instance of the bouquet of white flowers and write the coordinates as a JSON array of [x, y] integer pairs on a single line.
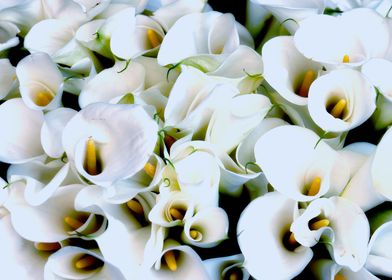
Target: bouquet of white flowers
[[161, 139]]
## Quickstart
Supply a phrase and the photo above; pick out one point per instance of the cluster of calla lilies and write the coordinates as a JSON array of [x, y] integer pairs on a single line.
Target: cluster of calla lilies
[[125, 122]]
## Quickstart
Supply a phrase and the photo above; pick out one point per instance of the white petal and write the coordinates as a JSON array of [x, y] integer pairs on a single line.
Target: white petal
[[293, 149], [125, 136], [7, 79], [260, 232], [285, 66], [21, 127], [44, 223], [52, 129], [376, 70], [345, 84], [49, 36], [212, 225], [243, 115], [380, 170], [217, 268], [98, 89], [38, 74]]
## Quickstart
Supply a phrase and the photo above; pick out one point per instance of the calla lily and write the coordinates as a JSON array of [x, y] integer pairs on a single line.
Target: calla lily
[[109, 142], [376, 71], [341, 100], [19, 258], [292, 12], [232, 176], [8, 80], [223, 36], [379, 259], [244, 113], [126, 236], [267, 238], [206, 228], [256, 16], [176, 262], [380, 172], [193, 99], [8, 35], [343, 39], [195, 174], [42, 179], [145, 180], [124, 79], [224, 267], [43, 88], [324, 269], [135, 35], [167, 15], [243, 68], [342, 225], [52, 130], [54, 220], [22, 125], [307, 162], [288, 71], [77, 263]]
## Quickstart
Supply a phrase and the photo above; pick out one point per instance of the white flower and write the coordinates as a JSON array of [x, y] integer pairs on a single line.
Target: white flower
[[295, 162], [20, 141], [41, 82], [109, 142], [243, 113], [263, 236], [8, 81], [338, 222], [287, 70], [344, 39], [123, 79], [221, 35], [341, 100], [134, 36], [8, 38], [42, 178], [224, 267], [292, 12], [72, 262]]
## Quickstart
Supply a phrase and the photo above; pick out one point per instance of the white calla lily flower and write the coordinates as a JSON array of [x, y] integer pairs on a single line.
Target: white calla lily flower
[[224, 267], [54, 220], [267, 238], [222, 36], [291, 13], [341, 224], [8, 38], [380, 257], [20, 142], [380, 171], [193, 99], [244, 113], [19, 257], [207, 228], [324, 269], [135, 35], [41, 82], [78, 263], [306, 160], [168, 14], [341, 100], [125, 239], [176, 262], [42, 179], [346, 39], [8, 81], [52, 130], [109, 142], [288, 71], [123, 79]]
